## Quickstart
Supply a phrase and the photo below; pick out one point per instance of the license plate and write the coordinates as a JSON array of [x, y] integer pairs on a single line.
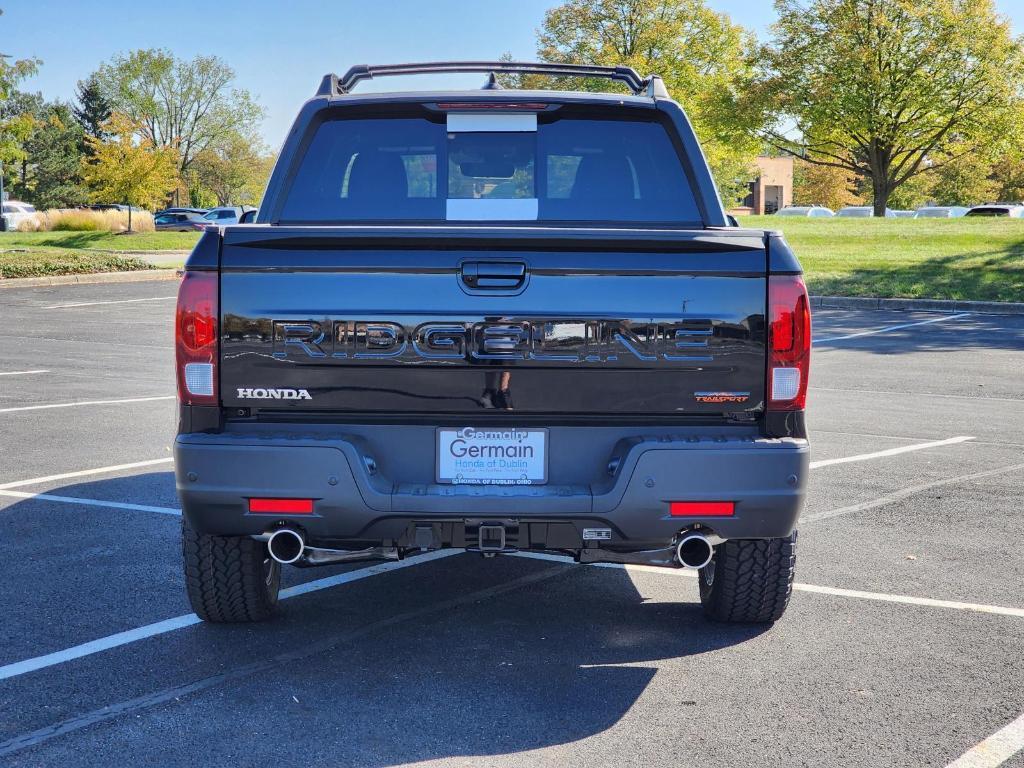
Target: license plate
[[492, 456]]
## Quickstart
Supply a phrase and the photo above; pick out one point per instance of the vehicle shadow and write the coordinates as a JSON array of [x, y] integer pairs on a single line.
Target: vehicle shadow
[[454, 658], [532, 669], [1004, 332]]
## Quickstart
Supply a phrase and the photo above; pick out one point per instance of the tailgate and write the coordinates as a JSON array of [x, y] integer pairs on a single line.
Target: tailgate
[[542, 321]]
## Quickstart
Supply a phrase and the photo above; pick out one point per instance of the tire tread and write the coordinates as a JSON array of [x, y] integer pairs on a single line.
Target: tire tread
[[224, 577], [753, 580]]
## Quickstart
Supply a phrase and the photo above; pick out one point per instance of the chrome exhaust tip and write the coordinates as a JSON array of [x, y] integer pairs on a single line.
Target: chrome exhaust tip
[[286, 545], [694, 550]]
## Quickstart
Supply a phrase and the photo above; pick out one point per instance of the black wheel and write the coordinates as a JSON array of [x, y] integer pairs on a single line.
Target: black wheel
[[229, 578], [749, 580]]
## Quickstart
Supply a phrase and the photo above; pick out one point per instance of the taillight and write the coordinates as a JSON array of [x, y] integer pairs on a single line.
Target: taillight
[[195, 338], [789, 343]]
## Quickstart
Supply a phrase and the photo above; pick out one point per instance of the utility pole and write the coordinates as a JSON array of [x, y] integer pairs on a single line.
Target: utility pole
[[3, 221]]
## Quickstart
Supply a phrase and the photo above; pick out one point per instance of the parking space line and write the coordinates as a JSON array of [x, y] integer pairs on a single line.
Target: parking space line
[[20, 373], [884, 597], [906, 492], [89, 502], [85, 402], [915, 394], [996, 749], [85, 473], [178, 622], [291, 657], [861, 334], [890, 452], [118, 301]]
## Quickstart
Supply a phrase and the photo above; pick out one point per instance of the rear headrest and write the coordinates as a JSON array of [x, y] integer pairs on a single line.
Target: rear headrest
[[378, 175], [603, 177]]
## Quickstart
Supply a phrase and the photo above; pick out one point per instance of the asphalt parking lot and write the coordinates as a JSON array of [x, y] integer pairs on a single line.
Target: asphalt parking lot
[[903, 645]]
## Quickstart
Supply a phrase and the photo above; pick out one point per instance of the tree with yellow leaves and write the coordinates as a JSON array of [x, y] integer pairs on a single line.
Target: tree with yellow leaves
[[128, 170]]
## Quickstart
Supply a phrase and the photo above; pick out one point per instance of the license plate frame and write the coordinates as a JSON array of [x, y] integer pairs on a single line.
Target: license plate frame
[[534, 472]]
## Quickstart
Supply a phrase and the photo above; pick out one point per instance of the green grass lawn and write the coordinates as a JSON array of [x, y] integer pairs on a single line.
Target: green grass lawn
[[980, 259], [139, 241], [965, 259]]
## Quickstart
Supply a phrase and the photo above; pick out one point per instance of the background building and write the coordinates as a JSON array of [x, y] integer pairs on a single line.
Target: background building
[[771, 190]]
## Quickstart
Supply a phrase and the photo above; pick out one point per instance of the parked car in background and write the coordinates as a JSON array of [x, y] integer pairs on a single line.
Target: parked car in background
[[1013, 210], [197, 211], [175, 221], [221, 216], [902, 214], [862, 212], [114, 207], [16, 213], [809, 211], [941, 212]]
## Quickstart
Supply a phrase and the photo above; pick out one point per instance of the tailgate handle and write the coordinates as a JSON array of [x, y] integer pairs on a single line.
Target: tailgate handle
[[498, 275]]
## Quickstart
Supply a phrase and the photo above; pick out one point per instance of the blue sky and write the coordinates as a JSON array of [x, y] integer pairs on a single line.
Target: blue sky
[[280, 50]]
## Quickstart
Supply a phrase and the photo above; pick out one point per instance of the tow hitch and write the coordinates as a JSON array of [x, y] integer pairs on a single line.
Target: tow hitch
[[491, 538]]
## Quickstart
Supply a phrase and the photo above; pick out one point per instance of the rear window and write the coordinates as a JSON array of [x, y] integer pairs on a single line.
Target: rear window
[[415, 169], [988, 212]]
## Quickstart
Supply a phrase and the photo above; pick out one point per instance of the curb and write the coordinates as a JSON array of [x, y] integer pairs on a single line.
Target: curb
[[920, 305], [139, 276]]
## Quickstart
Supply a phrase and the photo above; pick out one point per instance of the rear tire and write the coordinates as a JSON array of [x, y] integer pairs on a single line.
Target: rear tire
[[749, 580], [229, 578]]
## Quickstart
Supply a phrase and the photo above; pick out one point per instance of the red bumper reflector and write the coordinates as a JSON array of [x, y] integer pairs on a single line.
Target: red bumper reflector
[[701, 508], [282, 506]]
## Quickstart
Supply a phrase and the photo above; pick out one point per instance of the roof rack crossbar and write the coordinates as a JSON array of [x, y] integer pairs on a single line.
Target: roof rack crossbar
[[333, 85]]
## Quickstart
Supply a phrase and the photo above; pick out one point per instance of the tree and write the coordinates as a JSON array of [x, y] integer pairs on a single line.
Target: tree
[[824, 185], [50, 176], [235, 172], [15, 126], [190, 105], [128, 170], [882, 87], [700, 54], [92, 109], [964, 181], [19, 115]]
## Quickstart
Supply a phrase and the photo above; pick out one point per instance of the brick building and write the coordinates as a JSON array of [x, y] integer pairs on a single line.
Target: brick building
[[771, 190]]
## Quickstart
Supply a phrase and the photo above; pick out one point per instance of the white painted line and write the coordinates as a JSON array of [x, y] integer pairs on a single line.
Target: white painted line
[[19, 373], [85, 402], [90, 502], [890, 452], [892, 328], [169, 625], [904, 493], [996, 749], [119, 301], [914, 394], [85, 473], [884, 597]]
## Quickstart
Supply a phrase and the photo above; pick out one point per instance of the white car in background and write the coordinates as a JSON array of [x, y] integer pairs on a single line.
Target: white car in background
[[941, 212], [862, 212], [1013, 210], [16, 213], [809, 211]]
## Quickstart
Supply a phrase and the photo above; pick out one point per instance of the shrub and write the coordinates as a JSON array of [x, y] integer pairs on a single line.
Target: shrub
[[85, 220], [31, 225], [72, 221]]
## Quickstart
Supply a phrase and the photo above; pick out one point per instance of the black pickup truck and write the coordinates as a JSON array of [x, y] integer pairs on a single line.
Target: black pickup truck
[[496, 320]]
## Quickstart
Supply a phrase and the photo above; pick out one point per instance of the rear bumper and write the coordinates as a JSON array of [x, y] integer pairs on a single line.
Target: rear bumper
[[355, 501]]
